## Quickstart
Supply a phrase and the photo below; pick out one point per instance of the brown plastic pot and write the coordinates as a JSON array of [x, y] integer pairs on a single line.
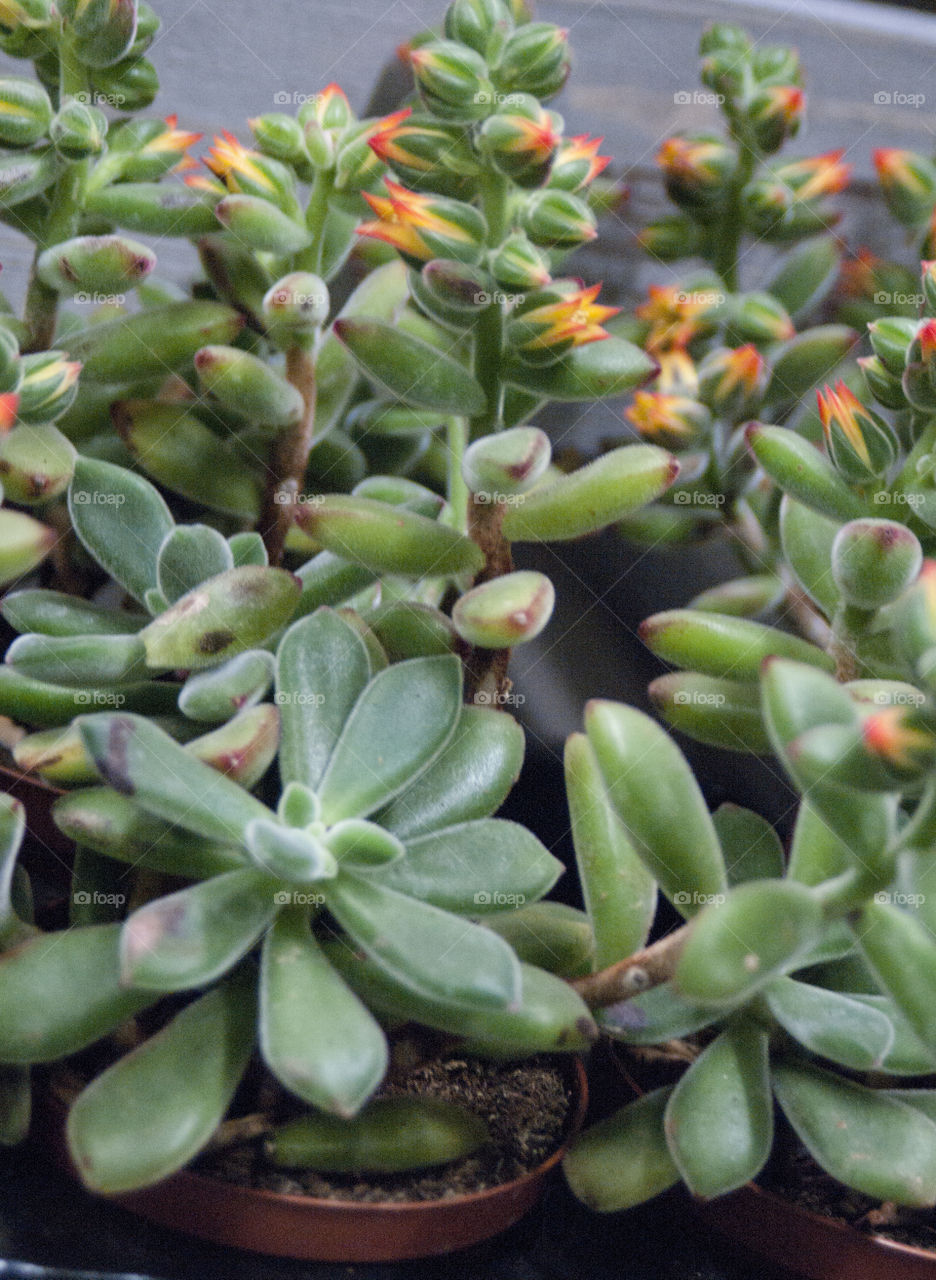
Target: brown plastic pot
[[809, 1244], [320, 1230]]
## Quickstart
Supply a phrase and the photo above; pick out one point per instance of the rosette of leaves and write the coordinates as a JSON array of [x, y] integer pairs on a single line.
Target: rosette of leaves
[[807, 982], [305, 928]]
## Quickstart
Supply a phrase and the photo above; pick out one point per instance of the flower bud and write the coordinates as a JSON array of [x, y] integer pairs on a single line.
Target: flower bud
[[671, 419], [104, 31], [451, 292], [510, 462], [329, 109], [247, 385], [552, 321], [767, 206], [358, 168], [11, 370], [25, 111], [723, 71], [886, 388], [874, 561], [155, 147], [505, 611], [891, 337], [158, 209], [929, 286], [577, 163], [919, 376], [247, 172], [895, 738], [481, 24], [422, 227], [78, 130], [732, 382], [36, 463], [669, 239], [521, 141], [557, 220], [260, 225], [725, 37], [24, 542], [775, 64], [298, 303], [25, 15], [48, 386], [95, 264], [280, 136], [452, 80], [815, 176], [148, 24], [696, 170], [424, 153], [25, 176], [774, 115], [759, 317], [132, 84], [535, 60], [861, 445], [908, 182], [518, 264]]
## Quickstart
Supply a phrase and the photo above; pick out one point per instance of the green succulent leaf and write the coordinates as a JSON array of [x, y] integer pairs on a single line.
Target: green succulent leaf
[[719, 1118], [806, 538], [61, 992], [144, 763], [832, 1025], [872, 1142], [760, 930], [428, 951], [78, 661], [620, 893], [475, 867], [398, 726], [153, 1110], [289, 854], [316, 1036], [189, 555], [551, 935], [121, 520], [240, 682], [190, 938], [595, 371], [53, 613], [751, 846], [409, 369], [902, 954], [322, 668], [469, 779], [624, 1160], [657, 1015]]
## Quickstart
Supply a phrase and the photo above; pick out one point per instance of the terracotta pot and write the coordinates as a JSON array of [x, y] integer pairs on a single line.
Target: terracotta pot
[[331, 1230], [809, 1244]]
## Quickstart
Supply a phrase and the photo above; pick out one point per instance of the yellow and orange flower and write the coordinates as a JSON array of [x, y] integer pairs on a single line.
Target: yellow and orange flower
[[232, 162], [666, 416], [898, 168], [576, 320], [843, 409], [174, 139], [582, 150], [815, 176], [421, 227], [673, 317]]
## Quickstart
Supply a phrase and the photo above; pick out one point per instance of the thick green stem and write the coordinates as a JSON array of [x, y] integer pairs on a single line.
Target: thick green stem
[[489, 333], [41, 310], [316, 212], [458, 495], [730, 231]]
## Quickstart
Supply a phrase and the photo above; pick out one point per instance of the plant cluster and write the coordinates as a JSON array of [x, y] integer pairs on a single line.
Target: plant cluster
[[268, 657]]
